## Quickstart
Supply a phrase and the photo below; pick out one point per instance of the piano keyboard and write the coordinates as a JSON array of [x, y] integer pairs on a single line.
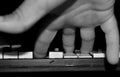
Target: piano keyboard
[[12, 53], [57, 61], [29, 55]]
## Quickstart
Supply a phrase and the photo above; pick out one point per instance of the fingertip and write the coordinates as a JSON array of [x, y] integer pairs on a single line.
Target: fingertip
[[113, 60]]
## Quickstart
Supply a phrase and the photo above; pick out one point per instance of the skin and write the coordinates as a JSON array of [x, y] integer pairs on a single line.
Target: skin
[[85, 14]]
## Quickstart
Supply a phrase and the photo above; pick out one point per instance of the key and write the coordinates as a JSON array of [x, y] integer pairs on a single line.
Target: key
[[72, 56], [7, 52], [10, 55], [84, 56], [98, 55], [25, 55], [1, 56], [56, 54]]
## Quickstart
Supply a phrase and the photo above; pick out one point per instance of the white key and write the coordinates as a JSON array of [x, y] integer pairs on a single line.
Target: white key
[[98, 55], [67, 56], [1, 56], [55, 54], [84, 56], [26, 55], [10, 55]]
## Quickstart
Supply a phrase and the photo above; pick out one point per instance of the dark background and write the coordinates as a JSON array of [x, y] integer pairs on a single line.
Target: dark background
[[29, 37]]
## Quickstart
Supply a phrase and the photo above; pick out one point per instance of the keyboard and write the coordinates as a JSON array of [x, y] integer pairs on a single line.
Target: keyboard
[[13, 52], [56, 61]]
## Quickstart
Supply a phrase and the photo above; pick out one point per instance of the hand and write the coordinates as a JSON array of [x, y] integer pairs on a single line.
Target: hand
[[109, 27]]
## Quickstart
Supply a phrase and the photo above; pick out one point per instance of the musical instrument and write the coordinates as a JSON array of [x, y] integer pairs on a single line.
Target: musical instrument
[[25, 62]]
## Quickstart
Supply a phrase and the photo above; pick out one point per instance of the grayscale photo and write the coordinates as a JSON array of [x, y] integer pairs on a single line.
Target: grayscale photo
[[59, 35]]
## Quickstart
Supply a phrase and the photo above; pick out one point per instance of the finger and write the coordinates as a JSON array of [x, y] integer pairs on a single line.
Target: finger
[[87, 35], [112, 40], [43, 42], [68, 40]]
